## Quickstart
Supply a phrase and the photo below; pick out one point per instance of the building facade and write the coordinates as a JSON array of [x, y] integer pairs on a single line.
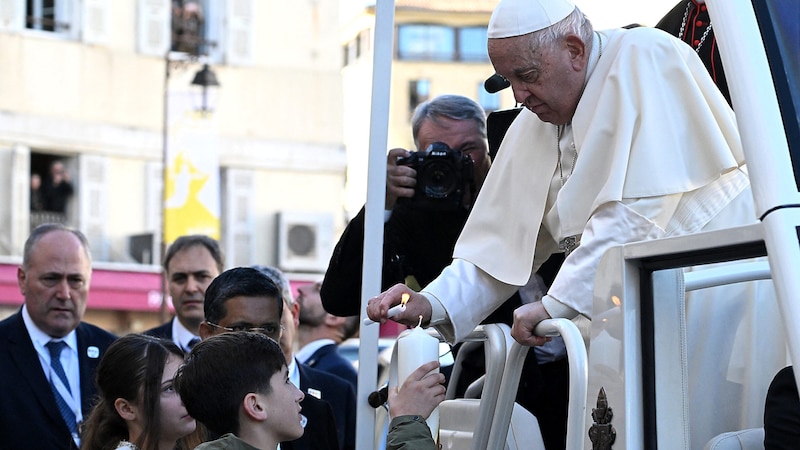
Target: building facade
[[439, 48], [85, 82]]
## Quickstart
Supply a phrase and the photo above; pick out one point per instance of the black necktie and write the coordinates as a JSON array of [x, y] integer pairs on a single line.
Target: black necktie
[[67, 413], [192, 342]]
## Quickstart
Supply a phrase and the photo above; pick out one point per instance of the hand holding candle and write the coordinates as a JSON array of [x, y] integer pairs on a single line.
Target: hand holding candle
[[393, 311], [388, 305], [421, 393], [414, 349]]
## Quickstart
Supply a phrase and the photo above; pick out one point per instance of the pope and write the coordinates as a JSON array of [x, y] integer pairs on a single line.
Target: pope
[[624, 138]]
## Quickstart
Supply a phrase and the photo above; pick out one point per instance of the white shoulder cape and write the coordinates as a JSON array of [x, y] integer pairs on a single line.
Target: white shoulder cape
[[650, 122]]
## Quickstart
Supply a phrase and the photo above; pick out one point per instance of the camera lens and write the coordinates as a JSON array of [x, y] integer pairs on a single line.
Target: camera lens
[[439, 179]]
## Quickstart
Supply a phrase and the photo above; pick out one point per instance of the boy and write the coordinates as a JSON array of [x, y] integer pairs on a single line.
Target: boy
[[237, 385]]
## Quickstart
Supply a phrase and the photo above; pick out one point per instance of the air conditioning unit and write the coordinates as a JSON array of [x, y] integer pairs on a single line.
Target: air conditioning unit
[[305, 241], [143, 248]]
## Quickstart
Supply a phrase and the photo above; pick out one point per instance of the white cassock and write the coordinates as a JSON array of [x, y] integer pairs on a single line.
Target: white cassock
[[658, 154]]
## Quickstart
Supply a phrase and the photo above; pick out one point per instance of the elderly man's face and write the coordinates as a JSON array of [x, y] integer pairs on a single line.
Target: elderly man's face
[[548, 81], [56, 283], [463, 135]]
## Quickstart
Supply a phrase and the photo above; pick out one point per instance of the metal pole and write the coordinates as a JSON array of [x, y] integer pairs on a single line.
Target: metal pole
[[373, 222], [163, 309], [771, 162]]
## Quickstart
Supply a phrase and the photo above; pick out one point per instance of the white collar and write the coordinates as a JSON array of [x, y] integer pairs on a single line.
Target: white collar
[[180, 335], [40, 338], [598, 45], [294, 373]]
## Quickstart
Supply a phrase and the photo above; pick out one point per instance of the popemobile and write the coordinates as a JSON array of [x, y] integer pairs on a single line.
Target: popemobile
[[635, 382]]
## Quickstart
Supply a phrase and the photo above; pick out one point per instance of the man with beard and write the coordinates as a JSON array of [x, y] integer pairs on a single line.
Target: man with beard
[[320, 333]]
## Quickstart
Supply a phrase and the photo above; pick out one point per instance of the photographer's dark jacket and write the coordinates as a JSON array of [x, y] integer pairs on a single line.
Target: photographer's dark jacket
[[416, 242]]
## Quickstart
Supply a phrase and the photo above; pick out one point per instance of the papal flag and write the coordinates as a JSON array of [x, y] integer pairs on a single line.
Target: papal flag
[[191, 181]]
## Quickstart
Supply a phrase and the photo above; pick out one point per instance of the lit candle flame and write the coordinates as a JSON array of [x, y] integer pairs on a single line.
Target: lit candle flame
[[405, 298]]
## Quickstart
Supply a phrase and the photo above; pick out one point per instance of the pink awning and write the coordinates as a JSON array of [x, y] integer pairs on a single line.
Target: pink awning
[[119, 290]]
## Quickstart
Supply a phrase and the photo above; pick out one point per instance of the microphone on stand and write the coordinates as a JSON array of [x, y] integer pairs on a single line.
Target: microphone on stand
[[378, 398]]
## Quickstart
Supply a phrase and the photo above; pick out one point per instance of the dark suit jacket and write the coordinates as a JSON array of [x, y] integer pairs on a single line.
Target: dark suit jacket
[[418, 243], [782, 413], [415, 243], [340, 395], [29, 416], [328, 359], [320, 430], [163, 331]]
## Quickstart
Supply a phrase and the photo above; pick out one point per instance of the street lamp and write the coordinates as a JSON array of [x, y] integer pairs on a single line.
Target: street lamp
[[205, 78]]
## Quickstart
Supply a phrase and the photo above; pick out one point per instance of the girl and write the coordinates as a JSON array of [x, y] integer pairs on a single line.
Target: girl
[[138, 409]]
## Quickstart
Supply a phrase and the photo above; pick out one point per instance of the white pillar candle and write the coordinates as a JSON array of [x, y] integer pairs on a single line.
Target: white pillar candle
[[415, 349]]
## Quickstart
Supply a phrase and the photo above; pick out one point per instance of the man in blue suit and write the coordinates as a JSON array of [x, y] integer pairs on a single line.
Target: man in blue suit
[[47, 354], [320, 333]]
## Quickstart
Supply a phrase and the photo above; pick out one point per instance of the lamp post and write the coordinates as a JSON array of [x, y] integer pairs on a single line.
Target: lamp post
[[206, 79]]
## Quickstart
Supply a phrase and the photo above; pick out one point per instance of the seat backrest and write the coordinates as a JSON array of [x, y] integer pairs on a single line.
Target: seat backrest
[[458, 418], [750, 439]]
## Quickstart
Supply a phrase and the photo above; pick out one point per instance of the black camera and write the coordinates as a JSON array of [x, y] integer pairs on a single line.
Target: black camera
[[443, 174]]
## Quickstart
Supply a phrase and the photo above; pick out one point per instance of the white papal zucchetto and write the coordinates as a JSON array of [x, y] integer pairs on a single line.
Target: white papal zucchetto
[[517, 17]]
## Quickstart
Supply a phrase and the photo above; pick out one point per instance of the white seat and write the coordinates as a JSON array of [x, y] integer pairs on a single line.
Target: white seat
[[750, 439], [468, 425], [458, 418]]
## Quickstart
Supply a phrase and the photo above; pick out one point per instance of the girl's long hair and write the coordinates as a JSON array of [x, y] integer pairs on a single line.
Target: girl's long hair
[[131, 369]]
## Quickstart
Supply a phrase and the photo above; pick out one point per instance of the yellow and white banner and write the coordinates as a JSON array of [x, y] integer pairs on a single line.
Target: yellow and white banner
[[191, 182]]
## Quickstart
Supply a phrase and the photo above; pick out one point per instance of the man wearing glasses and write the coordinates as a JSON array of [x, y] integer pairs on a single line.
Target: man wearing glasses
[[244, 299]]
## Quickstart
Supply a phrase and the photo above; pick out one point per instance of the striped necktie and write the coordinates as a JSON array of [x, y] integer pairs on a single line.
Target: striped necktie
[[67, 413]]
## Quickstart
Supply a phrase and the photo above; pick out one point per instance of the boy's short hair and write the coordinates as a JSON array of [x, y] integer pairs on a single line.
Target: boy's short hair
[[221, 370], [239, 281]]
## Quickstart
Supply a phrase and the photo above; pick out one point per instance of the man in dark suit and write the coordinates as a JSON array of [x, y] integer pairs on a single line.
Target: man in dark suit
[[47, 354], [191, 262], [315, 384], [419, 241], [782, 412], [245, 299], [319, 334]]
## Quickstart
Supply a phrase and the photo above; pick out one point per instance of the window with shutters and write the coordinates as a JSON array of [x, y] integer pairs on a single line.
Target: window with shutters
[[219, 30], [188, 23], [238, 216], [87, 20], [49, 15]]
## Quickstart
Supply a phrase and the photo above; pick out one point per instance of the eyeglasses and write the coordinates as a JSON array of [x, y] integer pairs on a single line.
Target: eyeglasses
[[269, 330]]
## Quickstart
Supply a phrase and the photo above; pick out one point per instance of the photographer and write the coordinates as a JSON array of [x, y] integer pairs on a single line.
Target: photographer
[[420, 233], [418, 242]]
